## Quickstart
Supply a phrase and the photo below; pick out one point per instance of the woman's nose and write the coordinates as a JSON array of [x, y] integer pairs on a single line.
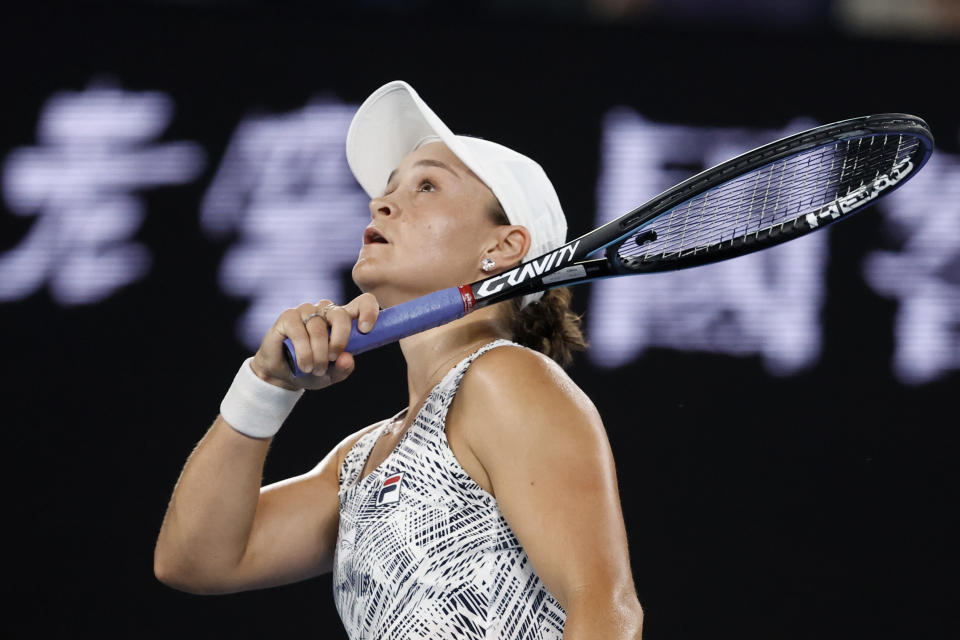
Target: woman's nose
[[382, 206]]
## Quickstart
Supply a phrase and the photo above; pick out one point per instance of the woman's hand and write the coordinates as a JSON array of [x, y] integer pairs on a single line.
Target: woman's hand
[[319, 334]]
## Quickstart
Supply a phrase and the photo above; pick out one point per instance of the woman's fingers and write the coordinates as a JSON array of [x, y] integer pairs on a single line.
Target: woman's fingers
[[320, 334], [341, 368], [315, 320], [292, 326], [340, 322], [365, 309]]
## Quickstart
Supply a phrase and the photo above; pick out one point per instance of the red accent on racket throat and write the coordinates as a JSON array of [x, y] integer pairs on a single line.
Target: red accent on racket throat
[[469, 301]]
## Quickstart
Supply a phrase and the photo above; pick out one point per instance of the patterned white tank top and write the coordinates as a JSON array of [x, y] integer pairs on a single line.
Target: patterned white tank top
[[424, 552]]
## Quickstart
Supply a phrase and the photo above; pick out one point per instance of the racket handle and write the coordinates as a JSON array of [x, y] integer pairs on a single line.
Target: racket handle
[[394, 323]]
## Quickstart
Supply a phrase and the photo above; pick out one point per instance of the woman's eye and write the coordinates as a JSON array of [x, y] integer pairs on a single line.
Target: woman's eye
[[426, 185]]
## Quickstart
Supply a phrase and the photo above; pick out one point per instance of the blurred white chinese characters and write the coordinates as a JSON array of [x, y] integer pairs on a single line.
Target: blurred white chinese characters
[[285, 191], [94, 150], [923, 275], [766, 304]]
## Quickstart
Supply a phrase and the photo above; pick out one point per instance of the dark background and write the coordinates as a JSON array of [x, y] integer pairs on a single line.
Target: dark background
[[818, 505]]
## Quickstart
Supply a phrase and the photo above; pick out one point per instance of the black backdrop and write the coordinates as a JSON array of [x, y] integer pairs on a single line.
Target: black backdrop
[[811, 506]]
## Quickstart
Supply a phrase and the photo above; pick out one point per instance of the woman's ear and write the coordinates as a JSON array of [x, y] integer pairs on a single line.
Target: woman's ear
[[513, 242]]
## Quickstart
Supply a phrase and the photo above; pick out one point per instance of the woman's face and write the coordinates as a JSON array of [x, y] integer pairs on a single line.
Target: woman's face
[[434, 221]]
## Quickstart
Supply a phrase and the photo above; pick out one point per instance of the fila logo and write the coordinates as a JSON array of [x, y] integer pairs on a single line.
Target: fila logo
[[390, 489], [526, 271]]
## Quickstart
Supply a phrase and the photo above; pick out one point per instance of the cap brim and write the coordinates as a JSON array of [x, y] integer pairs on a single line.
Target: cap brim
[[389, 124]]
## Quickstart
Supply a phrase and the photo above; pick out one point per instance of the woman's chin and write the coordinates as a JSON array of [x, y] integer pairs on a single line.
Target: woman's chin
[[365, 274], [391, 287], [370, 279]]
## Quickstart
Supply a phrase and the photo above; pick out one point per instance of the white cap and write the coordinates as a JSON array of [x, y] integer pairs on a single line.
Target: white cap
[[394, 121]]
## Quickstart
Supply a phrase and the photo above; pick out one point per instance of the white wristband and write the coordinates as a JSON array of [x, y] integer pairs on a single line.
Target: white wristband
[[254, 407]]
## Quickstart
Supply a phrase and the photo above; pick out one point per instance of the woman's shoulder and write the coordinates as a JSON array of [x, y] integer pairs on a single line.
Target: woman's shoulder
[[518, 380], [516, 366], [515, 399]]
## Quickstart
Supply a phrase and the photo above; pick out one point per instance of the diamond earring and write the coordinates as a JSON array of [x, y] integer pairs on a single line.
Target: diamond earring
[[487, 264]]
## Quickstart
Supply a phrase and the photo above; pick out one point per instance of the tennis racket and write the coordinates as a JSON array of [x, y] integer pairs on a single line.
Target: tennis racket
[[780, 191]]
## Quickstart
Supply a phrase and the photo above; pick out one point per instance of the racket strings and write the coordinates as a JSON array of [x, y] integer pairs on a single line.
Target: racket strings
[[774, 196]]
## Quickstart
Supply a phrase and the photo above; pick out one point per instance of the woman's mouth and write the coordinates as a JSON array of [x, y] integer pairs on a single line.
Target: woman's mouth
[[372, 236]]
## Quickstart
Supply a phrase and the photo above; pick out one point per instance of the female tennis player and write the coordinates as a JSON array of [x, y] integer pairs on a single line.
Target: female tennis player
[[488, 508]]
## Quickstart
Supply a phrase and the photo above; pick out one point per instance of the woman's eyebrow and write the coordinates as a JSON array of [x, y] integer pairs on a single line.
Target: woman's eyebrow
[[425, 162]]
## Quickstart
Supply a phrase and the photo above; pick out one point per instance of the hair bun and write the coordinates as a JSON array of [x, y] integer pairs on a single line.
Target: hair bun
[[548, 326]]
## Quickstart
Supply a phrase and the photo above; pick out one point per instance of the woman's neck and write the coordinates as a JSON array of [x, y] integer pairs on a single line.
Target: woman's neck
[[432, 353]]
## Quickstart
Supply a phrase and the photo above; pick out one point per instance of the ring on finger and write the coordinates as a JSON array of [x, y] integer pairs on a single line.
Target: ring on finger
[[322, 313]]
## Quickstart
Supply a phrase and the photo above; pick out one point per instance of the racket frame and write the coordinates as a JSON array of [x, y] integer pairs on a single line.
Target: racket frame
[[529, 277]]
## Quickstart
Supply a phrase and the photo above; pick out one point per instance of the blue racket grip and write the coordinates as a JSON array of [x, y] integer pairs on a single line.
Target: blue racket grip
[[394, 323]]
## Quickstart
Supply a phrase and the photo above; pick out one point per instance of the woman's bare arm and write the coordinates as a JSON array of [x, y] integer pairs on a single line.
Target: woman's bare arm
[[222, 532], [545, 450]]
